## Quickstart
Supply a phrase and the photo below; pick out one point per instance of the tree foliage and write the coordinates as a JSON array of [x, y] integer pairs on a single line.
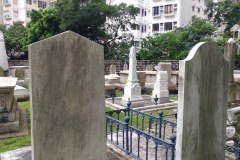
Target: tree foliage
[[176, 44], [224, 12]]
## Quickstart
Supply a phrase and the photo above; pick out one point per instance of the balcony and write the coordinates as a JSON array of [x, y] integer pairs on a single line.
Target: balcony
[[6, 3], [7, 17]]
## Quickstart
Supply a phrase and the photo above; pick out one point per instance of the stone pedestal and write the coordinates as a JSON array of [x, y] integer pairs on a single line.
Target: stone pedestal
[[132, 90], [9, 113], [3, 54]]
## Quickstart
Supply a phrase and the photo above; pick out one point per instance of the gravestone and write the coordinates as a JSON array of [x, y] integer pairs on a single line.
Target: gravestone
[[229, 54], [3, 54], [112, 69], [1, 72], [202, 106], [112, 77], [161, 87], [149, 67], [125, 66], [166, 67], [20, 74], [9, 113], [67, 98], [132, 89]]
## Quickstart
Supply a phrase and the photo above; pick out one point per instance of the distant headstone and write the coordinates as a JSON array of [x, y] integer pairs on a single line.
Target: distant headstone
[[125, 66], [166, 67], [3, 54], [112, 69], [67, 94], [1, 72], [202, 106], [149, 67], [132, 89], [161, 87], [9, 114], [229, 54], [20, 74]]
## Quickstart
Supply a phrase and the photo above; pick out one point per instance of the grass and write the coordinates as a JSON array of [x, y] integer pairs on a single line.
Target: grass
[[118, 93], [17, 142]]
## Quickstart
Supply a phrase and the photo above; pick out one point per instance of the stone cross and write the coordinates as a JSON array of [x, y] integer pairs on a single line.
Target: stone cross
[[161, 87], [229, 54], [202, 106], [3, 54], [132, 89], [67, 98]]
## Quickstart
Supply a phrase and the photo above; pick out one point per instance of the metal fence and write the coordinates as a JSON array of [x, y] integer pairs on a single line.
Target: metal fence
[[145, 136]]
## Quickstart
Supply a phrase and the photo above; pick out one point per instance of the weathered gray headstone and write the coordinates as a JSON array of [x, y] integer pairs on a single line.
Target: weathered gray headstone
[[1, 72], [202, 107], [229, 54], [67, 98], [112, 69], [125, 66], [166, 67], [149, 67], [161, 87], [20, 74]]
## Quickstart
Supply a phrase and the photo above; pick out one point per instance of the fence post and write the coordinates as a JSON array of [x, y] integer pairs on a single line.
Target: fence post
[[128, 106], [173, 140], [156, 99], [112, 95], [160, 114], [126, 119]]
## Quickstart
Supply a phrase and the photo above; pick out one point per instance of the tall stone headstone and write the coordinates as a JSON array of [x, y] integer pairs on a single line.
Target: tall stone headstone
[[3, 54], [132, 89], [161, 87], [229, 54], [202, 106], [112, 69], [1, 72], [125, 66], [67, 98], [112, 77], [149, 67], [166, 67]]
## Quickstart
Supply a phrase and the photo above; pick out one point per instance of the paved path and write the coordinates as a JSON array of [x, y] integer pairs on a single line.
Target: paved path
[[19, 154]]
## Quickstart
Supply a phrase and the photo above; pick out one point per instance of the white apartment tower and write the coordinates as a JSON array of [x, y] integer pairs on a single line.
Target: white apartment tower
[[160, 16], [19, 10]]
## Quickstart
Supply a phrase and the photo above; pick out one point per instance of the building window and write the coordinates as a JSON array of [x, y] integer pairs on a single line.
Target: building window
[[168, 26], [144, 12], [6, 14], [144, 28], [198, 10], [168, 9], [156, 27], [14, 1], [136, 44], [28, 13], [15, 14], [51, 4], [6, 2], [42, 4], [193, 8], [155, 11], [135, 27], [28, 1]]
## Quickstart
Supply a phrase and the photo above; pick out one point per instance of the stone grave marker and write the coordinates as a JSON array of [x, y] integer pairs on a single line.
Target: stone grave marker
[[67, 98], [202, 107], [3, 54], [20, 74], [229, 54], [166, 67], [149, 67], [112, 69], [125, 66]]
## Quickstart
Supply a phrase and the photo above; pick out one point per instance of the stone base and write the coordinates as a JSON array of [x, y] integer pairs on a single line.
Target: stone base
[[10, 127], [161, 100], [112, 80], [6, 117], [135, 102]]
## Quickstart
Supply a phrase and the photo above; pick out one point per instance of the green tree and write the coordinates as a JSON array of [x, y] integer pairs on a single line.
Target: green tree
[[14, 40], [176, 44], [224, 12]]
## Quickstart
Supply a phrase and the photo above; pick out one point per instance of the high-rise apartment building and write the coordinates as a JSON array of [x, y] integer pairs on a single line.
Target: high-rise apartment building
[[19, 10], [160, 16]]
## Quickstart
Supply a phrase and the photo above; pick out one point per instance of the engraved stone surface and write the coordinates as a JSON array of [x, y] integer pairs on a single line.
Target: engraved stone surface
[[67, 98], [3, 54], [161, 87], [229, 54], [132, 89], [202, 107]]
